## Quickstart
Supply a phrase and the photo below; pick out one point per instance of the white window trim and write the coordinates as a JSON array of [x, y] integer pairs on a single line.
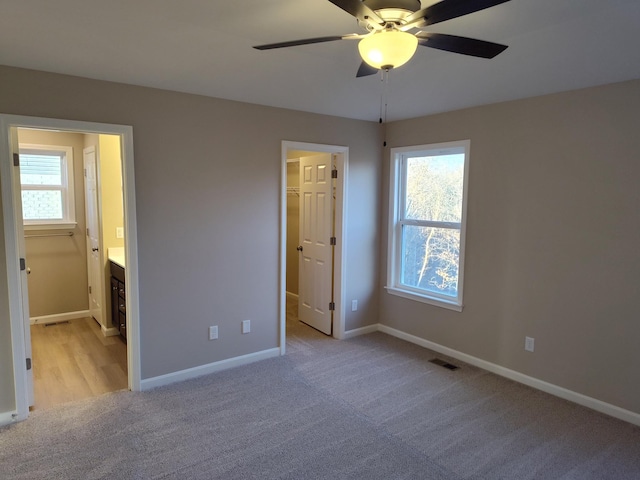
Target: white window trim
[[69, 221], [394, 253]]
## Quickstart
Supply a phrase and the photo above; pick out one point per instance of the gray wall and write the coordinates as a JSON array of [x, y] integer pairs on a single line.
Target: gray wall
[[553, 226], [552, 239], [208, 192]]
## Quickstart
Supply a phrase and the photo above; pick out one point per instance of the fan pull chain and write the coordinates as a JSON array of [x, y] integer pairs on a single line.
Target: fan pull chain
[[381, 96], [384, 98], [386, 94], [384, 77]]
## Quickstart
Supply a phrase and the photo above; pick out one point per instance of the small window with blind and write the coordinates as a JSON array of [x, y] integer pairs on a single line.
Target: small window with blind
[[46, 178]]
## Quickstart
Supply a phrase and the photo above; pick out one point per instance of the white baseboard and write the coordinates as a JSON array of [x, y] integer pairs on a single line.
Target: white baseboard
[[149, 383], [580, 399], [360, 331], [109, 331], [7, 418], [292, 296], [59, 317]]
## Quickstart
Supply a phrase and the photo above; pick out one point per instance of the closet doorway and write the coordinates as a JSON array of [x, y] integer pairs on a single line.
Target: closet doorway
[[314, 180], [72, 204]]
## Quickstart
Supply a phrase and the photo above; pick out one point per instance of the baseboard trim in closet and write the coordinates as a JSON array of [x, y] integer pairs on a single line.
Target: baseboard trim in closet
[[59, 317]]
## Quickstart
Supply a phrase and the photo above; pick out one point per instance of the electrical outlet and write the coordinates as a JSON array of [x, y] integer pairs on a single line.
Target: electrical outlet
[[354, 305], [119, 232], [213, 332], [529, 344], [246, 326]]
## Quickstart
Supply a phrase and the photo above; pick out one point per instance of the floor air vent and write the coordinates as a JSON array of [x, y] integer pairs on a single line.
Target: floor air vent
[[55, 323], [444, 364]]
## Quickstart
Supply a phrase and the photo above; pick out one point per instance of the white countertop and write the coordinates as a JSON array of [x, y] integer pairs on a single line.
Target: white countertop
[[116, 255]]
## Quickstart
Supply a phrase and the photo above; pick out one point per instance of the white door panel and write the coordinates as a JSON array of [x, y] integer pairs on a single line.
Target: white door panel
[[316, 223], [93, 235], [22, 252]]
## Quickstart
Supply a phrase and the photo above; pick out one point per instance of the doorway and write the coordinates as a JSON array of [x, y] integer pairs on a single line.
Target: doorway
[[71, 196], [292, 254], [16, 252]]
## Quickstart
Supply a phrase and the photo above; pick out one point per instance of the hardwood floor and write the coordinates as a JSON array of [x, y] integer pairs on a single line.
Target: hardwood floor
[[73, 360]]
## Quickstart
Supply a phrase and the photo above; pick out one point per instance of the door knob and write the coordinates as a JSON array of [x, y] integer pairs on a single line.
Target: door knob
[[299, 248], [94, 249], [28, 271]]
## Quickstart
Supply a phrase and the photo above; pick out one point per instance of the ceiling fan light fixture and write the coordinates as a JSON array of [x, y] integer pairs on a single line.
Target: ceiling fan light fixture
[[388, 49]]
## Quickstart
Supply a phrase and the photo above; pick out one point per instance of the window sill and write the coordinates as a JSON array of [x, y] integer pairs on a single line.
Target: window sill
[[424, 299], [50, 226]]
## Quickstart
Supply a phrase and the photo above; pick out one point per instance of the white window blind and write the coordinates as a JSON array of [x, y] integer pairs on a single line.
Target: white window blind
[[41, 169], [46, 176]]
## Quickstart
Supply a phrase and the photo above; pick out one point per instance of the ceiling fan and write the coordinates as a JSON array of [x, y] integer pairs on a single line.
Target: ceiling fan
[[395, 30]]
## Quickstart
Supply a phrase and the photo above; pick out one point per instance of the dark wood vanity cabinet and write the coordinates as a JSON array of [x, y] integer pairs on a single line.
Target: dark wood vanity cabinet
[[118, 299]]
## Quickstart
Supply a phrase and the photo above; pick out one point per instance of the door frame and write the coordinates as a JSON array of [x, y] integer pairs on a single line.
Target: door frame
[[13, 230], [340, 250]]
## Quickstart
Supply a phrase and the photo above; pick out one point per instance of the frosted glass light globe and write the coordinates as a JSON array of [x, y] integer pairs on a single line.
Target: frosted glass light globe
[[388, 49]]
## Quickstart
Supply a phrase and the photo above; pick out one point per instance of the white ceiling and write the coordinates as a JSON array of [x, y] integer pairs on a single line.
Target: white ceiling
[[204, 47]]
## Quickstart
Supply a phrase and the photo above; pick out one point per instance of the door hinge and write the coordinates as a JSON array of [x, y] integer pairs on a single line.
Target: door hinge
[[89, 288], [23, 264], [16, 159], [332, 306], [332, 241], [334, 173], [87, 232], [28, 364]]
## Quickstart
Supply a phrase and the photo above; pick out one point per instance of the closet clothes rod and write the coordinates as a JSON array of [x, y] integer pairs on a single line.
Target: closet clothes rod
[[68, 234]]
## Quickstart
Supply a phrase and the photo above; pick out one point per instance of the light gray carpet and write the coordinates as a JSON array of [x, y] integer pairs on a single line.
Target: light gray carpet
[[260, 421], [367, 408]]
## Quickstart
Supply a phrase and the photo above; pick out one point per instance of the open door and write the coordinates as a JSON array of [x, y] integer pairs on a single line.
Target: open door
[[316, 252], [93, 235], [24, 293], [335, 191]]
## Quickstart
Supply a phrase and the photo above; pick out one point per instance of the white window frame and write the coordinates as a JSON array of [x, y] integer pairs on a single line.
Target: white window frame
[[68, 192], [396, 222]]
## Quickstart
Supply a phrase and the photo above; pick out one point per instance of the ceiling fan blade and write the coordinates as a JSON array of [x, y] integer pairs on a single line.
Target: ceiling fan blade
[[293, 43], [463, 45], [447, 10], [358, 10], [365, 70], [308, 41]]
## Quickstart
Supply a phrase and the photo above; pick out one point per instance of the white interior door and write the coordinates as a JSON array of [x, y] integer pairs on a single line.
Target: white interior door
[[316, 220], [93, 235], [22, 252]]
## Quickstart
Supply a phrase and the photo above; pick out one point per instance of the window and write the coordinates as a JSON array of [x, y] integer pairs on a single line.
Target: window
[[46, 177], [427, 222]]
